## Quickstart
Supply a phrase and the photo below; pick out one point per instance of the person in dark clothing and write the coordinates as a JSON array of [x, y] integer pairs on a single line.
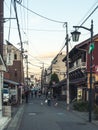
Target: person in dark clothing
[[96, 100], [35, 93], [39, 93], [49, 96], [32, 93], [46, 94], [26, 96]]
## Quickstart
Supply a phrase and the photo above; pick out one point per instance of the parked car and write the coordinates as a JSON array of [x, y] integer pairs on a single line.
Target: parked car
[[5, 95]]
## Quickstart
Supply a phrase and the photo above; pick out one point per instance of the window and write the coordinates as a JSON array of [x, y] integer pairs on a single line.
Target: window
[[15, 56], [84, 57], [9, 58]]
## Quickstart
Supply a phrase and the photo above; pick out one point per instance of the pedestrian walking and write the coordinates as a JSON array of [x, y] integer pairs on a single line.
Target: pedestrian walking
[[26, 94], [35, 93], [96, 100], [49, 96], [39, 93], [46, 94], [32, 93]]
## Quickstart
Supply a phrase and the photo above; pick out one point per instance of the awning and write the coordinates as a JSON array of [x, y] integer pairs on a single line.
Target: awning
[[75, 81], [11, 82]]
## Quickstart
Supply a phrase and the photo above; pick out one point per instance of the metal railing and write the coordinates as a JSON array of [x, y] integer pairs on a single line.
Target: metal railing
[[79, 66]]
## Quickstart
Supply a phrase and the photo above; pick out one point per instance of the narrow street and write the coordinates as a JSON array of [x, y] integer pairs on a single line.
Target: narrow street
[[37, 115]]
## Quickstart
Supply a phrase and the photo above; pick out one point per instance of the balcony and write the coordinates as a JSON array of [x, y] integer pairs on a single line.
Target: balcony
[[81, 65]]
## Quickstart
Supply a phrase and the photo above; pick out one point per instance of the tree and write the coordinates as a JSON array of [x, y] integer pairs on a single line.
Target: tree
[[54, 79]]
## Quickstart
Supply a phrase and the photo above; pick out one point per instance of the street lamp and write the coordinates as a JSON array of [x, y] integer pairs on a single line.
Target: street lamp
[[75, 37]]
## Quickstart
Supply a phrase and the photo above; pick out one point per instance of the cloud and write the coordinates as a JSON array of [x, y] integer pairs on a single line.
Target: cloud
[[48, 55]]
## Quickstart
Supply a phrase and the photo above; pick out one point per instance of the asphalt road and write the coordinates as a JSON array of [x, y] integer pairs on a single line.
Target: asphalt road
[[37, 115]]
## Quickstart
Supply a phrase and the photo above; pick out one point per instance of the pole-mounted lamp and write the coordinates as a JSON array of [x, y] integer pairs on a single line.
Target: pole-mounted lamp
[[75, 37]]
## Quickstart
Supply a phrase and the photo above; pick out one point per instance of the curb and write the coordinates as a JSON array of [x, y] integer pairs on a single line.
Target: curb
[[5, 123], [14, 123]]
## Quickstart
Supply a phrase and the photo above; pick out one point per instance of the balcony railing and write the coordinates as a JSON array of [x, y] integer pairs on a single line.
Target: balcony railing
[[81, 65]]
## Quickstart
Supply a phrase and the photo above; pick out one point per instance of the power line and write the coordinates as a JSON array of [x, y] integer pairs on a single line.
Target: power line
[[87, 18], [40, 62], [89, 15], [41, 15], [39, 30], [88, 12], [10, 21], [35, 58], [81, 25], [34, 65]]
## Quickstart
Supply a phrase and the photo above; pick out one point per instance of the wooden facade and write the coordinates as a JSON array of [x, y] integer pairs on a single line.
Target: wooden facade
[[79, 70]]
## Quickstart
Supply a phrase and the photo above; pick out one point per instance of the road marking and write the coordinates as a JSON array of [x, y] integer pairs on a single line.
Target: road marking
[[60, 113], [31, 103], [32, 114]]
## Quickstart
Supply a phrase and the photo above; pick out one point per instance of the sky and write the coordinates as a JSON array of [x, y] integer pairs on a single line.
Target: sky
[[42, 26]]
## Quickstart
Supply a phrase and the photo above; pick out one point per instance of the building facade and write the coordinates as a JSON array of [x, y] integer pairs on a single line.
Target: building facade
[[58, 67], [14, 62], [79, 70]]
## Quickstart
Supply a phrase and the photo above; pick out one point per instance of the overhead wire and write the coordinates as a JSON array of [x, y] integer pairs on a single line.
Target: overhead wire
[[41, 62], [92, 7], [48, 19], [40, 30], [27, 16], [57, 20], [10, 21], [41, 15], [89, 15], [45, 18], [10, 17], [81, 25], [34, 65], [87, 18]]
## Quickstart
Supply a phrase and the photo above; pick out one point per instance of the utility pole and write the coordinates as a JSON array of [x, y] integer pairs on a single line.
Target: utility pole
[[67, 51], [26, 57], [42, 76], [22, 50], [2, 20], [1, 51], [1, 27], [15, 8]]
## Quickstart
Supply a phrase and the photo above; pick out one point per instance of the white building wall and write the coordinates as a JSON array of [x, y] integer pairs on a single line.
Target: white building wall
[[9, 54], [59, 66]]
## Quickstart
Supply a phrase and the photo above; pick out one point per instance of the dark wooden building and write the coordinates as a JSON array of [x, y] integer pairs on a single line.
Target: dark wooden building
[[79, 69]]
